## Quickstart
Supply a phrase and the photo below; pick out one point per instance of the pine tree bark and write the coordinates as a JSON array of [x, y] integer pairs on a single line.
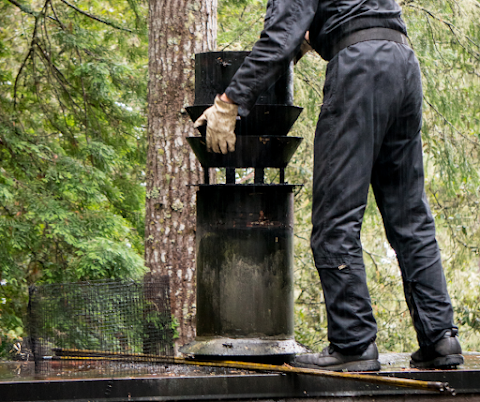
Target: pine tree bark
[[178, 30]]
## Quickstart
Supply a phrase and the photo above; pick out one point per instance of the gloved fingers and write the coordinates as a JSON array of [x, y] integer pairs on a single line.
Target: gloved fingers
[[212, 142], [231, 140], [222, 144], [215, 147], [209, 141], [220, 119], [201, 121]]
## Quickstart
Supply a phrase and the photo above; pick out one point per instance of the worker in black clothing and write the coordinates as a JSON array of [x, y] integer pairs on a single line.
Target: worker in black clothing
[[368, 132]]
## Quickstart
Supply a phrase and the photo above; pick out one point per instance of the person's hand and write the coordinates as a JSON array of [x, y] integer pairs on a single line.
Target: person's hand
[[220, 120]]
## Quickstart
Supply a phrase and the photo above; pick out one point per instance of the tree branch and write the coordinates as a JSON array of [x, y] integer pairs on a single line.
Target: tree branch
[[246, 29], [30, 53], [23, 7], [17, 78], [450, 26], [27, 10], [44, 54], [56, 16], [452, 230], [94, 17], [433, 38], [450, 123], [372, 257]]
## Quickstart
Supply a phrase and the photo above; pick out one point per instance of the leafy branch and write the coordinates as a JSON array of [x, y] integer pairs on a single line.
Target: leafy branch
[[17, 78], [449, 123], [27, 10], [94, 17], [452, 230], [23, 7], [453, 29]]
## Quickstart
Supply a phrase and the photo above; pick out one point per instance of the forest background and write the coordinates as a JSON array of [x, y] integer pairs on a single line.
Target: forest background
[[73, 149]]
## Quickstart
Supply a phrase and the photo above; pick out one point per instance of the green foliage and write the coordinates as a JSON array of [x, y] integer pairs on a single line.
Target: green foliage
[[107, 316], [73, 82], [446, 37], [100, 258], [239, 23]]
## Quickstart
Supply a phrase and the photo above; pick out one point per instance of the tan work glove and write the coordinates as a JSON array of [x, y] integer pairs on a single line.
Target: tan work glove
[[220, 120]]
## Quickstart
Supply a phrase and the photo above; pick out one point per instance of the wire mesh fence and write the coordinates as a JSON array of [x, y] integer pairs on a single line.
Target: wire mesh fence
[[111, 322]]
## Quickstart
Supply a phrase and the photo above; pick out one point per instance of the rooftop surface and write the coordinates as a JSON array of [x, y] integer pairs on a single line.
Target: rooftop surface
[[90, 381]]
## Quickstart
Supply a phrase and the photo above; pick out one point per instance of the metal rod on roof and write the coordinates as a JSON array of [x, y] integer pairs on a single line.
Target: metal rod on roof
[[72, 354]]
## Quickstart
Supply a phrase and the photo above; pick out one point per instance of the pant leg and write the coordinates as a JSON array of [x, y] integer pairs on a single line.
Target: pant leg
[[363, 93], [350, 130], [351, 326], [398, 184]]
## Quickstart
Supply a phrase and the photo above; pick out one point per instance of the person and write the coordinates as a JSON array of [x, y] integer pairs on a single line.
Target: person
[[368, 132]]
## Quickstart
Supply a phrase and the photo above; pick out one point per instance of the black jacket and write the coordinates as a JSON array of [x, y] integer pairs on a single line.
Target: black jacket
[[286, 22]]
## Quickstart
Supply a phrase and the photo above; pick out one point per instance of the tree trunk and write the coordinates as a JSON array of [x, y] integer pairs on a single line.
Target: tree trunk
[[178, 30]]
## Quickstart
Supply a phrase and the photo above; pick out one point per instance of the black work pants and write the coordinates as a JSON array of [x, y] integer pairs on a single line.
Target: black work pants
[[369, 133]]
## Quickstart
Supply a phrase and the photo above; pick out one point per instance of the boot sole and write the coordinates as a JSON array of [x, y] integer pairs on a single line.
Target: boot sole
[[442, 362], [359, 365]]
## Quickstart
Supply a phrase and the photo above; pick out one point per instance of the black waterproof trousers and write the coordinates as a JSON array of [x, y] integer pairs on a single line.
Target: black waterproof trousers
[[369, 133]]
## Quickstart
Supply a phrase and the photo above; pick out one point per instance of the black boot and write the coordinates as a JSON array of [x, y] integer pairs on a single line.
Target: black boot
[[330, 359], [445, 354]]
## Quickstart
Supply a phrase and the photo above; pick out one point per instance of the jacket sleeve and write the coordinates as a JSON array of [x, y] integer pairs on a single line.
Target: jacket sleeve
[[286, 22]]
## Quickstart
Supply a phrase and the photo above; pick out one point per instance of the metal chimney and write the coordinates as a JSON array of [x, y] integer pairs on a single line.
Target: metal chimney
[[244, 236]]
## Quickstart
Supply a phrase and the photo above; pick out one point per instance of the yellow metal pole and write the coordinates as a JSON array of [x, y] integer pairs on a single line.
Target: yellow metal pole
[[72, 354]]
